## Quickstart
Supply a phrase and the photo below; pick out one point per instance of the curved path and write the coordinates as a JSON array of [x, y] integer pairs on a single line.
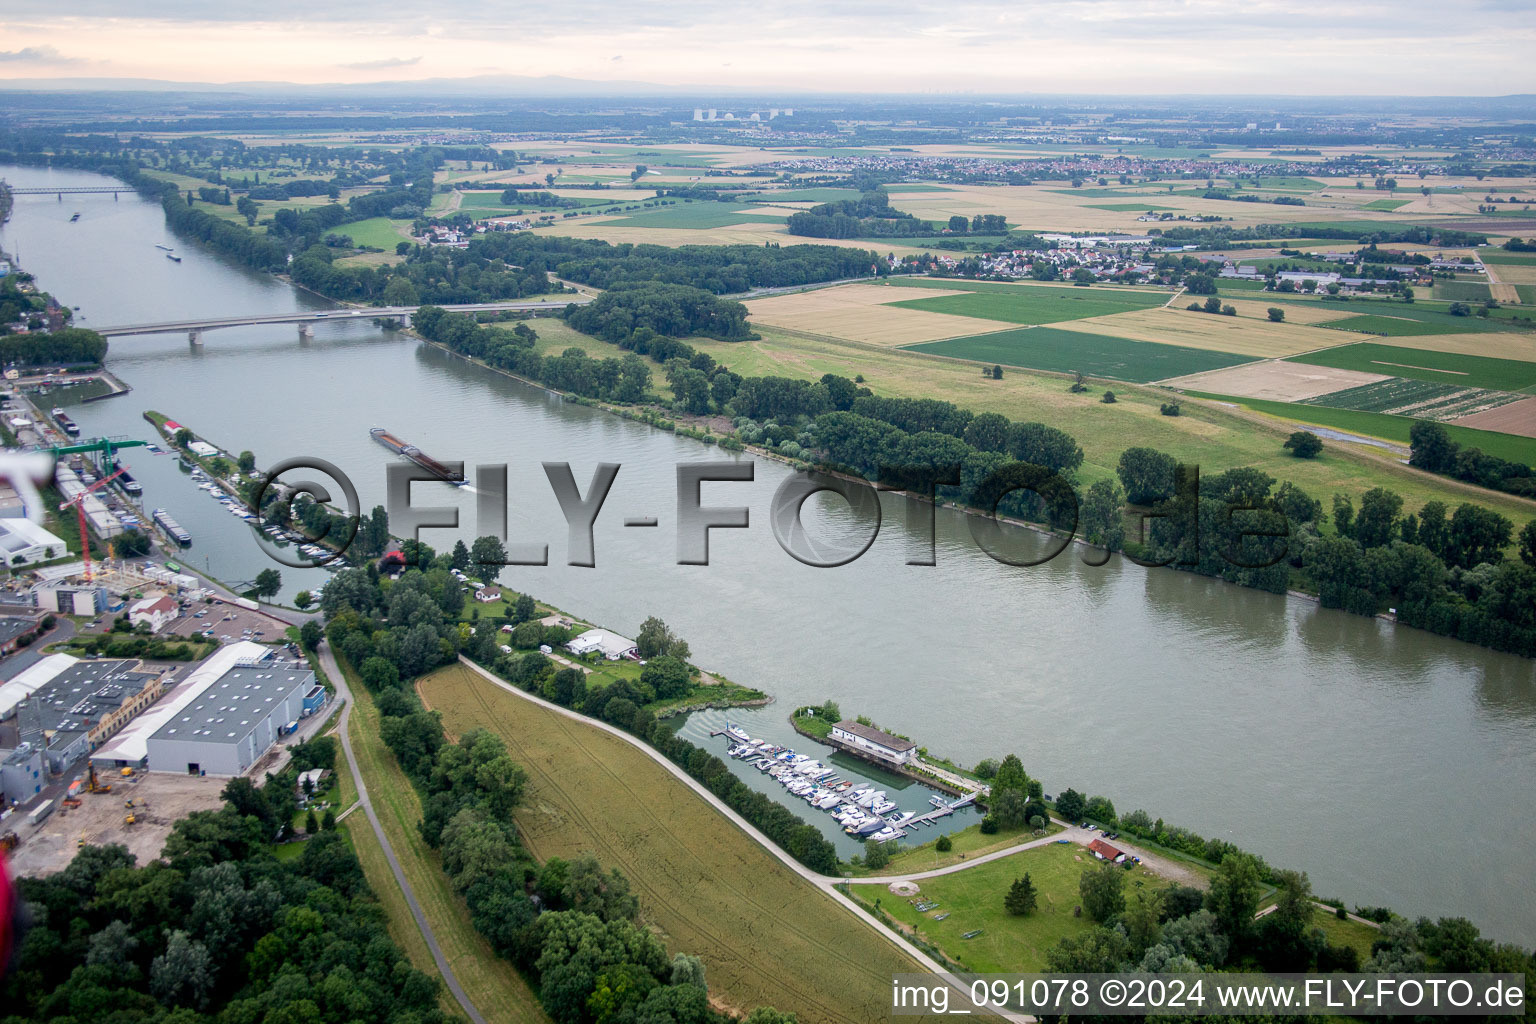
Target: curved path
[[328, 661], [826, 883]]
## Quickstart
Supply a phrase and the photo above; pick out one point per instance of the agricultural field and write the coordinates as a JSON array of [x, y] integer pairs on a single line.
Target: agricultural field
[[1276, 380], [1239, 335], [1515, 418], [1037, 305], [1425, 399], [1385, 204], [766, 935], [1394, 429], [698, 216], [1406, 322], [1420, 364], [869, 313], [1461, 291], [1064, 351], [973, 899], [1498, 344]]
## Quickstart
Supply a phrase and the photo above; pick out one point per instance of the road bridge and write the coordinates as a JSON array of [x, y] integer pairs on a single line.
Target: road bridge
[[306, 319]]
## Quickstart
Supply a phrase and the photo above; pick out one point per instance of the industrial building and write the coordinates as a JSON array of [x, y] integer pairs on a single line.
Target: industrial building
[[102, 521], [21, 774], [221, 718], [71, 598], [65, 707], [23, 542]]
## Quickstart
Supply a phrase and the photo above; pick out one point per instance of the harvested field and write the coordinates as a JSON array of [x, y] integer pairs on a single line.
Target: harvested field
[[1295, 312], [1517, 273], [1063, 351], [1496, 345], [1276, 380], [1446, 367], [1515, 418], [766, 935], [1239, 335], [862, 312]]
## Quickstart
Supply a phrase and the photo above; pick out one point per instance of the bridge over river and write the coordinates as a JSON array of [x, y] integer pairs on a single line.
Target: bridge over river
[[306, 319]]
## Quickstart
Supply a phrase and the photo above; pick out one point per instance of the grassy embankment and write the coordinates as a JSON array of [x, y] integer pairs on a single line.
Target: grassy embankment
[[493, 986], [766, 935]]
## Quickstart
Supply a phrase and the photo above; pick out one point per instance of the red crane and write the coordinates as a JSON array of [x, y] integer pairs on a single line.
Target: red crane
[[77, 501]]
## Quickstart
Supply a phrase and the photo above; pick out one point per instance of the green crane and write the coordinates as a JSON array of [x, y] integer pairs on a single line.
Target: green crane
[[107, 446]]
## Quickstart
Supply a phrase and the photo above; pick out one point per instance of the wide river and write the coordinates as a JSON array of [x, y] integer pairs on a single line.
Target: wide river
[[1395, 767]]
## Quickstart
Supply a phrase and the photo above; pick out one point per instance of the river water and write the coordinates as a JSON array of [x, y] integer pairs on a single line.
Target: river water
[[1394, 766]]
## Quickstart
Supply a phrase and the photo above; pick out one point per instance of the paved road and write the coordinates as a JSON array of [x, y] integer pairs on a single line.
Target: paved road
[[328, 661]]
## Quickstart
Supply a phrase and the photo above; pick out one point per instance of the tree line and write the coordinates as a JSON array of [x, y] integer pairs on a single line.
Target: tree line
[[69, 346]]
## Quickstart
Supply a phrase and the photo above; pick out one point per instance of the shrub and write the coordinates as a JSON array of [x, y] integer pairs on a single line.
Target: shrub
[[944, 844]]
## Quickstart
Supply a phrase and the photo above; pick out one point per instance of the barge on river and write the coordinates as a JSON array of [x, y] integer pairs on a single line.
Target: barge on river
[[417, 456]]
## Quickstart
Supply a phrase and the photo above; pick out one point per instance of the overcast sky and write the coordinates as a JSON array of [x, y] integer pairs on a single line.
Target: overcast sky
[[1375, 47]]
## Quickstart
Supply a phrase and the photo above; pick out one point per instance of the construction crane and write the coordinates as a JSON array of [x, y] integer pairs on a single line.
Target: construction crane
[[107, 446], [85, 539]]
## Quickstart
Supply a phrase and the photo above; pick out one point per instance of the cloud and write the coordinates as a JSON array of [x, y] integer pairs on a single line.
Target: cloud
[[35, 55], [380, 65]]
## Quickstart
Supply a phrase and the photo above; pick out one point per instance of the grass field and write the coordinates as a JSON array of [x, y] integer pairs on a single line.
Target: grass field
[[1127, 207], [1407, 323], [1420, 364], [1050, 348], [974, 899], [1036, 305], [862, 312], [379, 232], [697, 216], [806, 195], [1504, 257], [766, 935], [968, 842], [1388, 427], [1385, 204], [1460, 291], [495, 988]]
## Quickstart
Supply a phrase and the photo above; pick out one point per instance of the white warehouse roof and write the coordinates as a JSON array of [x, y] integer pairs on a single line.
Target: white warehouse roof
[[132, 743], [31, 679]]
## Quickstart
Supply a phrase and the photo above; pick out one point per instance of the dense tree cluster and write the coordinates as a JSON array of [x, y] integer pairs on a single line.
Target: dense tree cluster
[[673, 310], [216, 929], [620, 380], [1433, 450], [71, 346]]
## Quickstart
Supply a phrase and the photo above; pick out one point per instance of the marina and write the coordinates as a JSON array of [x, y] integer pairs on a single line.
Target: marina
[[860, 809]]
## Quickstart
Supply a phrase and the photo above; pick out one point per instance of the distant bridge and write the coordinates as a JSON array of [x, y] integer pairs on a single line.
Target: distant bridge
[[62, 192], [308, 318]]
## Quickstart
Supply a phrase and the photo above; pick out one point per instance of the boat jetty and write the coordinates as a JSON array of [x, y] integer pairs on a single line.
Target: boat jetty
[[863, 811], [417, 456]]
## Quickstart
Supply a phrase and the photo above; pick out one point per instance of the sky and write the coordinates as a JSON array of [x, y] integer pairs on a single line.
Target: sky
[[1368, 47]]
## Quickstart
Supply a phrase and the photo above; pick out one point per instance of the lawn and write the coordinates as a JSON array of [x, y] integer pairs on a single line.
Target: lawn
[[1036, 305], [493, 986], [969, 842], [1423, 364], [1098, 355], [1389, 427], [973, 899], [766, 935], [1230, 284]]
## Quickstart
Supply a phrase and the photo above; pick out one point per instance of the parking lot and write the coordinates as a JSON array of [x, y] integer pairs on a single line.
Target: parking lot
[[228, 622], [159, 799]]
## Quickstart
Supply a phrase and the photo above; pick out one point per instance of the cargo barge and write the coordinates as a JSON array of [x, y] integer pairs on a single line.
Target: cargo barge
[[66, 424], [127, 483], [172, 528], [417, 456]]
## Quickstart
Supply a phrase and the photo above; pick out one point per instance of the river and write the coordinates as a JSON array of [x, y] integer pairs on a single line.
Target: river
[[1384, 761]]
